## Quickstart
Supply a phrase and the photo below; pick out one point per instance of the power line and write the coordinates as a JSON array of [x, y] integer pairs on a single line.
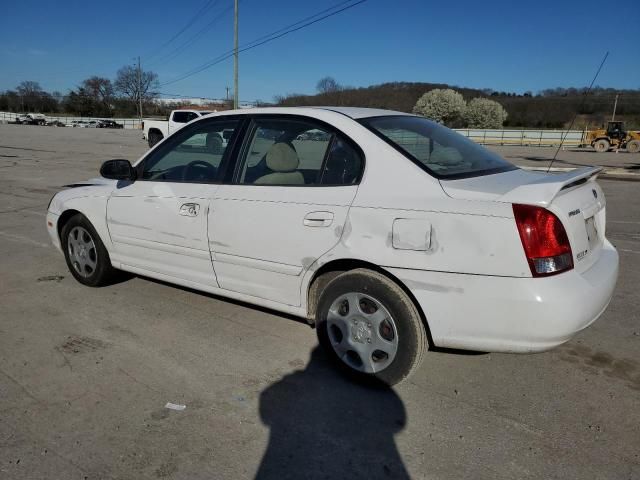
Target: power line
[[193, 39], [209, 4], [265, 39], [299, 22]]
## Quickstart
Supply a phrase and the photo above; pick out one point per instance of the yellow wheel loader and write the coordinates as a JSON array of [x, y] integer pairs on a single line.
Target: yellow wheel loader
[[614, 137]]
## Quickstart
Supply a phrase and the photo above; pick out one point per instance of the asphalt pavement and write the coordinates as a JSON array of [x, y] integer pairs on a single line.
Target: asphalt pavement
[[86, 374]]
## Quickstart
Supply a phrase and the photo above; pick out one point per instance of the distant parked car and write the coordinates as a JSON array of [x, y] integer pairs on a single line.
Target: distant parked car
[[55, 123], [79, 124], [93, 124], [109, 124]]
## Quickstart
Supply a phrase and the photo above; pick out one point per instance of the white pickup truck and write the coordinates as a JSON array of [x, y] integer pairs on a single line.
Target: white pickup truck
[[156, 130], [31, 119]]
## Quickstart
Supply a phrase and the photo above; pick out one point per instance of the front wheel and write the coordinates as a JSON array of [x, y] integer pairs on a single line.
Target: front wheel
[[370, 327], [633, 146], [86, 256]]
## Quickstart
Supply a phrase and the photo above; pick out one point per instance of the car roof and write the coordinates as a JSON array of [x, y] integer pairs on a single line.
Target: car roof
[[361, 112], [351, 112]]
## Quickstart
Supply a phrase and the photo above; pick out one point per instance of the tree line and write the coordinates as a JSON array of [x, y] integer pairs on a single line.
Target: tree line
[[549, 108], [93, 97]]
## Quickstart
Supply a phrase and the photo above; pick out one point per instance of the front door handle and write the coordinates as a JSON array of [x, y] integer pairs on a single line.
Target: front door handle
[[318, 219], [189, 209]]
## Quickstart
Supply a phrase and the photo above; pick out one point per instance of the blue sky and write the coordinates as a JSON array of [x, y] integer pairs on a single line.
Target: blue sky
[[512, 46]]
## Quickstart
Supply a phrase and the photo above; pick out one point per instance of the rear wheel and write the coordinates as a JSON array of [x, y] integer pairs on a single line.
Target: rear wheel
[[86, 256], [370, 327], [154, 137], [633, 146], [602, 145]]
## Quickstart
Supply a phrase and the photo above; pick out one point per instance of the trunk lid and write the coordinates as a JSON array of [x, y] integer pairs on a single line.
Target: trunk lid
[[574, 197]]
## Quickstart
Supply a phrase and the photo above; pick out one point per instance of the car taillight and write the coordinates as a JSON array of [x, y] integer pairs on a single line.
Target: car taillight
[[544, 240]]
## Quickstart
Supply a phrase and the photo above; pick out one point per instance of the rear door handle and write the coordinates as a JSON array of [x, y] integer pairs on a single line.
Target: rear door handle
[[318, 219]]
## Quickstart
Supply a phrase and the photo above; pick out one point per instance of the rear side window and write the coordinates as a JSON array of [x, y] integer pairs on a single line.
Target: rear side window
[[297, 153], [184, 117], [437, 149], [344, 164]]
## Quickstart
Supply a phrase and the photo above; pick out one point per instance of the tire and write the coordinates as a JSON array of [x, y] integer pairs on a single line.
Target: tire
[[370, 328], [87, 258], [633, 146], [601, 145], [154, 137]]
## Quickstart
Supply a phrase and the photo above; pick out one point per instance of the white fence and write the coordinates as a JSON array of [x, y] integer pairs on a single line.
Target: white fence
[[129, 123], [537, 138]]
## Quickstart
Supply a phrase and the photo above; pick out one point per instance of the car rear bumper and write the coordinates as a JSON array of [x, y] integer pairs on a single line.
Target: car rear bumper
[[504, 314]]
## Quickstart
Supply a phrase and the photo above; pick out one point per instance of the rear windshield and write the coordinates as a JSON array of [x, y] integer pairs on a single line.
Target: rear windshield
[[437, 149]]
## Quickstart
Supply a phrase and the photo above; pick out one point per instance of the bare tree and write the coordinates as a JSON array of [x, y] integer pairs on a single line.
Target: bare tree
[[33, 99], [136, 85], [99, 88], [29, 88], [327, 85]]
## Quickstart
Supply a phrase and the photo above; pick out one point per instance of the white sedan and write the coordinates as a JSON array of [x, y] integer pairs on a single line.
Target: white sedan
[[388, 232]]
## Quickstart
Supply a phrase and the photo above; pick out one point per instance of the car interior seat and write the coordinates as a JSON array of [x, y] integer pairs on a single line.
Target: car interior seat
[[283, 161], [214, 142]]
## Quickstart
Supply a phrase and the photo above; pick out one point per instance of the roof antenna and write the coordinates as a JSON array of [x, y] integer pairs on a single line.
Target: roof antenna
[[584, 98]]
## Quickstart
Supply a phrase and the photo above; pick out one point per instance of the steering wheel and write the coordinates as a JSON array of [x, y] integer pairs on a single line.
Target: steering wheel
[[198, 164]]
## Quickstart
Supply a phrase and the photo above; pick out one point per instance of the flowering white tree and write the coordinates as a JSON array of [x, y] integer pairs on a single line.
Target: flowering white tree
[[484, 113], [440, 105]]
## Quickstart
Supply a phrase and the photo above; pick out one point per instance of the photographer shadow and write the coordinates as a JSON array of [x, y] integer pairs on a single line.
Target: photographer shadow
[[323, 425]]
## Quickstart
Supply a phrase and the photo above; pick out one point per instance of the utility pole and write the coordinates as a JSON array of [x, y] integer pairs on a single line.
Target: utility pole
[[615, 105], [140, 89], [227, 93], [235, 55]]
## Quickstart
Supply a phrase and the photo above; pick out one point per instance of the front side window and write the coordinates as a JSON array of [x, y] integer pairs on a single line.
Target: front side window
[[438, 149], [298, 152], [194, 155]]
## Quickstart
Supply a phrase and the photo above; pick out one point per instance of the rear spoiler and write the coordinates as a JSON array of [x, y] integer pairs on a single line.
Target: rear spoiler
[[543, 190]]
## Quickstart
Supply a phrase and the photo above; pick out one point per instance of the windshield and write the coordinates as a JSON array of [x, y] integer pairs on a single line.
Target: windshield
[[438, 149]]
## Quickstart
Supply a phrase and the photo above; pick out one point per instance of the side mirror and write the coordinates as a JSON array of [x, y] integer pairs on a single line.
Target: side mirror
[[118, 170]]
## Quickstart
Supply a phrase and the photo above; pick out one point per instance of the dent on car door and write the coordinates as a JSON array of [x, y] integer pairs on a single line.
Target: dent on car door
[[286, 207], [159, 222]]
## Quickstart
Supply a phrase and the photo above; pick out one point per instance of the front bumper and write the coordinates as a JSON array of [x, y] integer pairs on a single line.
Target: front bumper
[[505, 314], [52, 228]]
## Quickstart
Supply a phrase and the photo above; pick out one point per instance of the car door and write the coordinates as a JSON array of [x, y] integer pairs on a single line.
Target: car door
[[159, 222], [294, 182]]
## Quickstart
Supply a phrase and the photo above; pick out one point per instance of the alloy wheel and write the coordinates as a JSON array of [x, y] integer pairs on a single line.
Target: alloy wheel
[[362, 332], [82, 251]]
